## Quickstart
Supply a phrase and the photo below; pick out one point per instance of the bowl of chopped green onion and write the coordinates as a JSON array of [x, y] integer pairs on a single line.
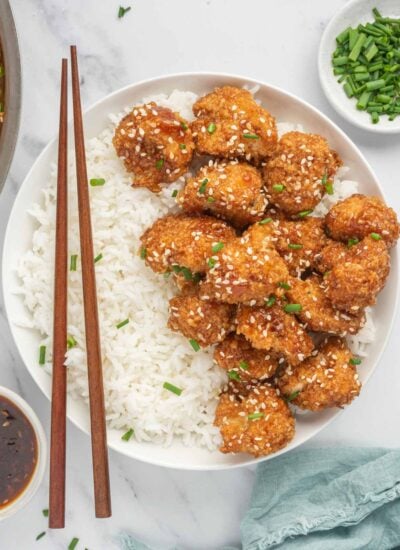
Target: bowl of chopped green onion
[[359, 64]]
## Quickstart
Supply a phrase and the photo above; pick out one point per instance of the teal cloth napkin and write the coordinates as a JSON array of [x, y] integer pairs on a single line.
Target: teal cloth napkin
[[330, 499]]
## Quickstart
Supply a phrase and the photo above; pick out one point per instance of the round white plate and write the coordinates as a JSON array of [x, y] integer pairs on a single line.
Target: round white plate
[[352, 14], [285, 107]]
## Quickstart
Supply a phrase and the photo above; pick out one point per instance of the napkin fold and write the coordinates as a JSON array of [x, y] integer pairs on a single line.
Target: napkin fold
[[330, 498]]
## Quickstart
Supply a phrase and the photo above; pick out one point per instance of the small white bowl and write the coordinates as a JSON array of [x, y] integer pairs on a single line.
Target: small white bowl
[[37, 477], [351, 15]]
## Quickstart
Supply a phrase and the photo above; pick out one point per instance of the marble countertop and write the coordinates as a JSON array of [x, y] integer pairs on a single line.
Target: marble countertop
[[275, 42]]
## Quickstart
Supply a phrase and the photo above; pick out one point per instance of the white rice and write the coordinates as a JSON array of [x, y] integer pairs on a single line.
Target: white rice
[[142, 355]]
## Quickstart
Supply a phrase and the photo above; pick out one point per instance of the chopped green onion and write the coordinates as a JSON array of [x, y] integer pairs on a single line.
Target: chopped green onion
[[72, 265], [202, 188], [159, 164], [355, 361], [327, 184], [98, 258], [172, 388], [278, 187], [174, 193], [292, 396], [251, 136], [284, 285], [211, 128], [243, 365], [234, 375], [355, 52], [211, 262], [127, 435], [97, 182], [45, 512], [293, 308], [41, 535], [143, 252], [217, 247], [265, 221], [182, 146], [194, 343], [304, 213], [294, 246], [376, 236], [352, 242], [184, 126], [71, 342], [269, 302], [42, 355], [121, 12], [210, 199], [187, 273], [122, 323], [255, 416], [73, 543]]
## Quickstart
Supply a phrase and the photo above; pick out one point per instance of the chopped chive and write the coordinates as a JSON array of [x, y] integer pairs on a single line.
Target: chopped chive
[[71, 342], [376, 236], [255, 416], [251, 136], [194, 343], [217, 247], [121, 12], [304, 213], [75, 540], [211, 262], [211, 128], [72, 265], [270, 301], [184, 126], [45, 512], [122, 323], [293, 308], [352, 242], [127, 435], [159, 164], [174, 193], [182, 146], [97, 182], [284, 285], [172, 388], [42, 355], [187, 273], [265, 221], [234, 375], [98, 258], [210, 199], [41, 535], [355, 361], [176, 268], [278, 187], [292, 396], [327, 184], [243, 365], [294, 246], [143, 252], [202, 188]]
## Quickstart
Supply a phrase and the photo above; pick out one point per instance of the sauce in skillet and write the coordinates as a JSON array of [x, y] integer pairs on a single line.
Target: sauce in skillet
[[18, 451]]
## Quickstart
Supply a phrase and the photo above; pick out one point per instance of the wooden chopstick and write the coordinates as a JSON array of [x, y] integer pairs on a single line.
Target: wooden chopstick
[[59, 378], [93, 351]]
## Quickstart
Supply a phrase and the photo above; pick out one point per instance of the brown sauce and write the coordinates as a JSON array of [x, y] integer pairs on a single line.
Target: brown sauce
[[18, 451]]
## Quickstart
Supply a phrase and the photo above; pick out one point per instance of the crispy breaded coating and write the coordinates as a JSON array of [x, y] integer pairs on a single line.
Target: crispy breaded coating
[[358, 216], [258, 422], [230, 124], [332, 254], [177, 241], [275, 330], [295, 175], [317, 313], [327, 379], [243, 362], [206, 322], [354, 283], [230, 190], [155, 144], [298, 242], [243, 273]]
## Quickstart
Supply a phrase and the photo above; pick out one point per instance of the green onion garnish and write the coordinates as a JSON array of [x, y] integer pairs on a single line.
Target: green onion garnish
[[202, 188], [217, 247], [270, 301], [172, 388], [182, 146], [292, 396], [73, 543], [41, 535], [97, 182], [211, 128], [265, 221], [159, 164], [174, 193], [194, 343], [294, 246], [122, 323], [327, 184], [72, 265], [143, 252], [121, 12], [210, 199], [278, 187], [255, 416], [355, 361], [304, 213], [243, 365], [234, 375], [284, 285], [98, 258], [293, 308], [45, 512], [352, 242], [127, 435], [375, 236], [184, 126], [187, 274], [42, 355], [211, 262], [251, 136], [71, 342]]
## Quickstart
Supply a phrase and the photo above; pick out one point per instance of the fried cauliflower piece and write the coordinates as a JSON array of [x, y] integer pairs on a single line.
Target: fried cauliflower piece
[[275, 330], [257, 421], [243, 273], [182, 241], [355, 282], [331, 254], [230, 124], [297, 242], [155, 144], [243, 362], [297, 174], [358, 216], [328, 379], [317, 313], [206, 322], [229, 190]]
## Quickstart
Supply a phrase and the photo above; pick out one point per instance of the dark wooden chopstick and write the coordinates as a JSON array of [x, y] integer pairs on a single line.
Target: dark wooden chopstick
[[59, 378], [93, 351]]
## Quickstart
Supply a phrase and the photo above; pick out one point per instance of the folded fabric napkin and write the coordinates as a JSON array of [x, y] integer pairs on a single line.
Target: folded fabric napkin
[[330, 499]]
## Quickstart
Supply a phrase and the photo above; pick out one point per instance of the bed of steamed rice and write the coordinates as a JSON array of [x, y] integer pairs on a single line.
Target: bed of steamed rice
[[139, 357]]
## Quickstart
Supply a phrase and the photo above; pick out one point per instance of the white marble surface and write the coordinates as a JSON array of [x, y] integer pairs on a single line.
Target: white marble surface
[[275, 42]]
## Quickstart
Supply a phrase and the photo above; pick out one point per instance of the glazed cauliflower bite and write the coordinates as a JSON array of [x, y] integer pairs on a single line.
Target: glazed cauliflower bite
[[206, 322], [275, 330], [297, 175], [317, 313], [298, 243], [257, 422], [183, 241], [328, 379], [358, 216], [155, 144], [230, 190], [355, 282], [331, 254], [243, 273], [230, 124], [243, 362]]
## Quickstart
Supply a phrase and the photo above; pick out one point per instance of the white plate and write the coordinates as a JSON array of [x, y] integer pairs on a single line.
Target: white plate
[[351, 15], [285, 107]]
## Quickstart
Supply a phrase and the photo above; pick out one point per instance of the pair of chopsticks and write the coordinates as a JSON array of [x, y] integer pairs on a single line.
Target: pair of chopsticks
[[94, 365]]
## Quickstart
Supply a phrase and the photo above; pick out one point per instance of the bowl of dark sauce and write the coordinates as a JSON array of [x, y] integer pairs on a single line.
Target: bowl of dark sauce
[[22, 453]]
